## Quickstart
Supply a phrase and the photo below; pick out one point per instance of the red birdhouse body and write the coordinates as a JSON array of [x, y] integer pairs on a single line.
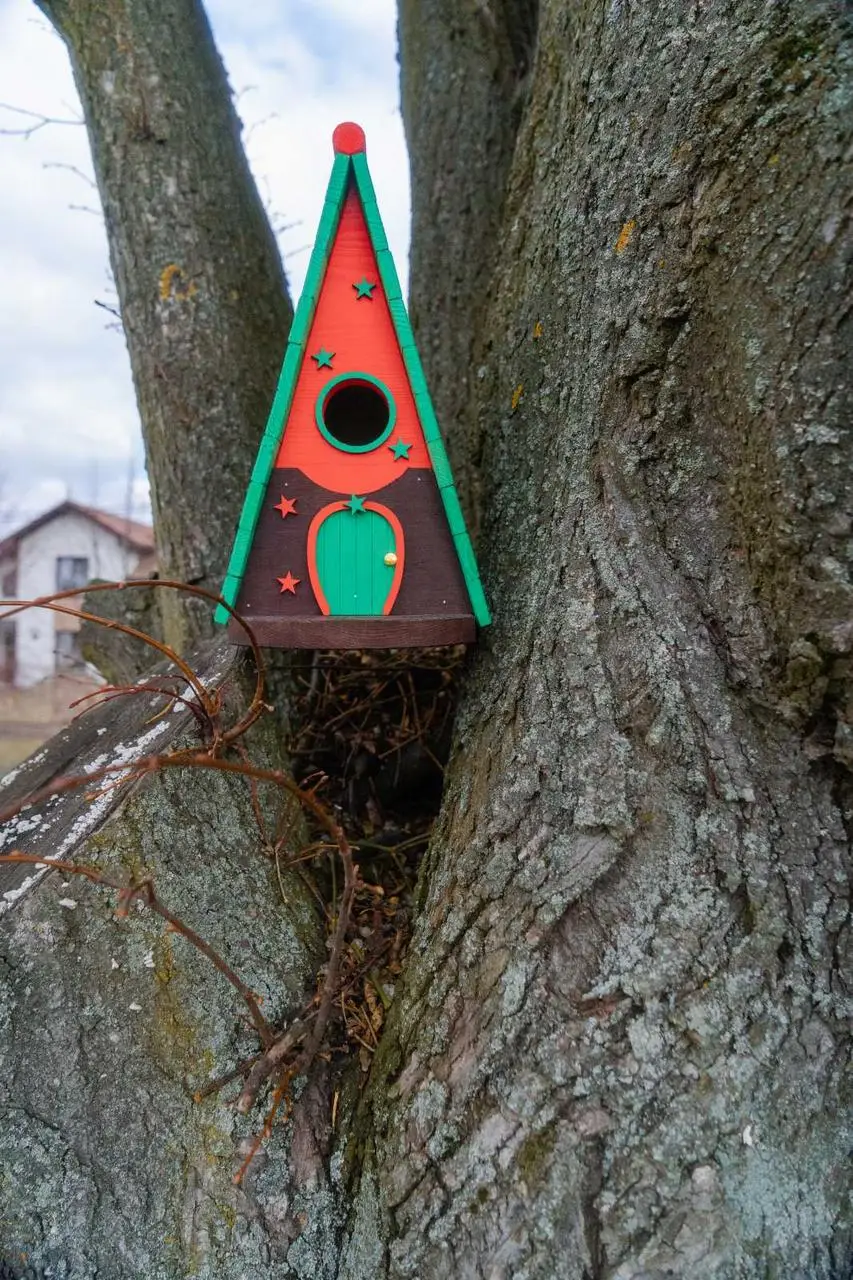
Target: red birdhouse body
[[351, 534]]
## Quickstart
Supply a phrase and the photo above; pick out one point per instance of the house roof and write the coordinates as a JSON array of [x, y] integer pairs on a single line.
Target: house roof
[[135, 534], [350, 172]]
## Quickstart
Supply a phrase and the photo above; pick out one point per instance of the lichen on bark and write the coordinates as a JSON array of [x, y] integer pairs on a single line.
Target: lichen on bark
[[107, 1164], [619, 1049], [628, 954]]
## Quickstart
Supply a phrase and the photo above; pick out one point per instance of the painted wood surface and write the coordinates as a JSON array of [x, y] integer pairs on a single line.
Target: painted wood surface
[[359, 333], [355, 558], [351, 514]]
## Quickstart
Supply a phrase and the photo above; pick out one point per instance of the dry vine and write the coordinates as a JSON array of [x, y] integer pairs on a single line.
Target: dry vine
[[343, 697]]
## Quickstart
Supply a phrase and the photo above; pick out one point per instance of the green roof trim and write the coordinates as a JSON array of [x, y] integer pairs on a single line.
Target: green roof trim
[[420, 390], [346, 166], [293, 356]]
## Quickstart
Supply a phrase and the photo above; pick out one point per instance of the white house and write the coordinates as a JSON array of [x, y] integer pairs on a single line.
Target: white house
[[66, 547]]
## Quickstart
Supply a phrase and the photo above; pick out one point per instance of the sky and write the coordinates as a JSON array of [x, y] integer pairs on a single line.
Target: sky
[[68, 420]]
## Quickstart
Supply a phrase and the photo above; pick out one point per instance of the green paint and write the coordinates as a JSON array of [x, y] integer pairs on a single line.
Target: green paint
[[441, 467], [455, 518], [388, 275], [400, 450], [355, 377], [397, 307], [356, 504], [324, 358], [303, 318], [364, 288], [351, 550], [468, 564], [346, 169]]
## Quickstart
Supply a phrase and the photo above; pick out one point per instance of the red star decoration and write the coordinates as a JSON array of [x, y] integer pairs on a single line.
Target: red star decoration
[[288, 583], [287, 507]]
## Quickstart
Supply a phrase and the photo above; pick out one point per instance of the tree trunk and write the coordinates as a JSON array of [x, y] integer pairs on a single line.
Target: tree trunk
[[620, 1046], [200, 284]]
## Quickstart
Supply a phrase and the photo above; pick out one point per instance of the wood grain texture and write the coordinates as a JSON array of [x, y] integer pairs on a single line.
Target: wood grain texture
[[361, 334], [431, 586], [388, 632]]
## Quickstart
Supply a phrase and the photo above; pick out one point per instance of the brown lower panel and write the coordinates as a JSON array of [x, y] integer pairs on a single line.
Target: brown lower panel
[[357, 632]]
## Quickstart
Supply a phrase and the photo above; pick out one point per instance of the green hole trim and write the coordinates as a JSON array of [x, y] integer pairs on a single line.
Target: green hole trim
[[354, 376]]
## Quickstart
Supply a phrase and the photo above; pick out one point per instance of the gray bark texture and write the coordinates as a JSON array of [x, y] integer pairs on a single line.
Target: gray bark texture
[[620, 1046], [108, 1168], [200, 284]]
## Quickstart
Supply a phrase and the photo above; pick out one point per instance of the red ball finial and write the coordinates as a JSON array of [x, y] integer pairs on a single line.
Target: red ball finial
[[348, 139]]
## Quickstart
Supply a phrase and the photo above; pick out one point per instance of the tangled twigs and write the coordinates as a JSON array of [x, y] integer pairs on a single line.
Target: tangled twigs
[[269, 1062], [107, 693], [144, 890], [213, 1086], [276, 1047], [280, 1094], [383, 726], [314, 1032], [333, 970]]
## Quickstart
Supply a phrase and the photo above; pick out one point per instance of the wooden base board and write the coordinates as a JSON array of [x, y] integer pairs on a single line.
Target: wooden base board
[[357, 632]]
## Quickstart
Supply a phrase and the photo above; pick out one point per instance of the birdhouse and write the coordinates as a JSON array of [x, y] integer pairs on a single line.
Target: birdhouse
[[351, 534]]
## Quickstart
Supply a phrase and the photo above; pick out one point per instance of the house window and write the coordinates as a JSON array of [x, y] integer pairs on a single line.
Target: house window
[[71, 572], [67, 650], [7, 650]]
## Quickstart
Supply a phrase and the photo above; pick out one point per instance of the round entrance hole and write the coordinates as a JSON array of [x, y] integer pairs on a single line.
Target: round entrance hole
[[355, 412]]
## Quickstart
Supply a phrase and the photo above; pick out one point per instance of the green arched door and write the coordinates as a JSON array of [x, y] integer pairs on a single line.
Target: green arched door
[[355, 557]]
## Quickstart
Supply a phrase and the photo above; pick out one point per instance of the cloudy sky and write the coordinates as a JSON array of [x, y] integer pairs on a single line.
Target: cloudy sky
[[68, 422]]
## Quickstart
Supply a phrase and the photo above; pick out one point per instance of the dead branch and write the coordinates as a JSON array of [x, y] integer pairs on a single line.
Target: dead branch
[[269, 1062], [257, 705], [41, 121]]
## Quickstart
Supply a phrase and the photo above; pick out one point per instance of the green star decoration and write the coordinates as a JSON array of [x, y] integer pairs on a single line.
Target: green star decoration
[[356, 505], [324, 358], [364, 288], [400, 450]]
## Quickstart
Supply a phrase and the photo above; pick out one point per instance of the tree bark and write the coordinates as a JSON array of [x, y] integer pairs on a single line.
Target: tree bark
[[201, 289], [464, 74], [620, 1046], [108, 1167]]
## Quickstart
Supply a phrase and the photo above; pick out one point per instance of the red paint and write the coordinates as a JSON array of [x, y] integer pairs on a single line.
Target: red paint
[[348, 139], [287, 507], [288, 583], [364, 341], [400, 548]]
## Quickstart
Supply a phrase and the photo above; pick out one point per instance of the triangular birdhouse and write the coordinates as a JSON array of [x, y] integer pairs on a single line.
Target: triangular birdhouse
[[351, 534]]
